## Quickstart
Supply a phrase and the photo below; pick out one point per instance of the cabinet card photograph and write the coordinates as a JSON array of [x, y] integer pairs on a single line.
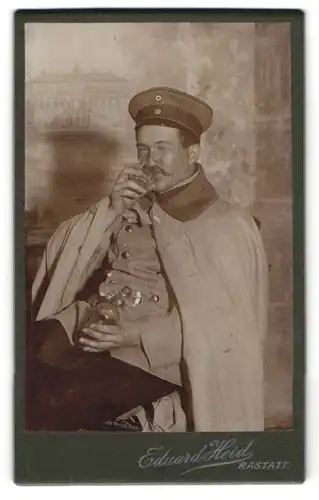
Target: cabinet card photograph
[[158, 245]]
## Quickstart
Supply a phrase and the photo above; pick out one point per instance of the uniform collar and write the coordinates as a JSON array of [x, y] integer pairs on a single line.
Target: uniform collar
[[188, 199], [184, 182]]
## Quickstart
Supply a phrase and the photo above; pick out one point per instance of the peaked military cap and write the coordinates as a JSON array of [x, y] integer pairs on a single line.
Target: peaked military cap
[[170, 107]]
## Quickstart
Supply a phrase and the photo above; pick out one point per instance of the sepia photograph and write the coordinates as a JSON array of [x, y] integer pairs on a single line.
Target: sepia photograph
[[158, 227]]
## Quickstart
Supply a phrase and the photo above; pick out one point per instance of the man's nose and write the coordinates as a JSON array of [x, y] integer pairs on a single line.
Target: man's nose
[[153, 157]]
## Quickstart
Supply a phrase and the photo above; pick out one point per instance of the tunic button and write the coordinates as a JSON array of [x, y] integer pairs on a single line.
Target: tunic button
[[125, 255], [159, 273], [119, 302], [155, 298], [126, 291], [128, 229]]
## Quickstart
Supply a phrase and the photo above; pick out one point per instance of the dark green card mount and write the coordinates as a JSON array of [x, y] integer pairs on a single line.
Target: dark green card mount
[[274, 456]]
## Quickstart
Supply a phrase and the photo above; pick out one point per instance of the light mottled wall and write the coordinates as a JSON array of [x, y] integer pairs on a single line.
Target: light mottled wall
[[79, 79], [273, 206]]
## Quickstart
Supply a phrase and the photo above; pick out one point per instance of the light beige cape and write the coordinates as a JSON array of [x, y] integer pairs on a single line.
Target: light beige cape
[[217, 268]]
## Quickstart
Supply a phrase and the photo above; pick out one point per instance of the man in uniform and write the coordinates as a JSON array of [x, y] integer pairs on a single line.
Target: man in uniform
[[182, 279]]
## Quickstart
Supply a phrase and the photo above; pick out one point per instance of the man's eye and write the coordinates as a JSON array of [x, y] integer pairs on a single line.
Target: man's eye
[[162, 148]]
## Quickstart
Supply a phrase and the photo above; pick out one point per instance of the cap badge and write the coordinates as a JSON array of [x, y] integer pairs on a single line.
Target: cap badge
[[158, 97], [157, 111]]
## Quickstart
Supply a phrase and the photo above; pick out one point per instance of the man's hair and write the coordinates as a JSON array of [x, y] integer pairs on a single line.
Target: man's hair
[[187, 138]]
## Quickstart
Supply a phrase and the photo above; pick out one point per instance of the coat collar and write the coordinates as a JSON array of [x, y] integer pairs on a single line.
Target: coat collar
[[189, 200]]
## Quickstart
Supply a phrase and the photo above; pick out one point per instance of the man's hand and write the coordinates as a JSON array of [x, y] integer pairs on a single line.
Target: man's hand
[[125, 190], [99, 337]]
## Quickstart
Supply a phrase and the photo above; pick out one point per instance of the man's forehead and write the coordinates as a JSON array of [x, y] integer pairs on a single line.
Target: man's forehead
[[157, 133]]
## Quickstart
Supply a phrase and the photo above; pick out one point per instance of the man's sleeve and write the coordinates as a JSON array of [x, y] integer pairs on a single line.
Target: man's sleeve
[[51, 340], [72, 317], [55, 247]]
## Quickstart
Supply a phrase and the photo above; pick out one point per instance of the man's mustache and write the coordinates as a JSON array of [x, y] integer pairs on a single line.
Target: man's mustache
[[153, 170]]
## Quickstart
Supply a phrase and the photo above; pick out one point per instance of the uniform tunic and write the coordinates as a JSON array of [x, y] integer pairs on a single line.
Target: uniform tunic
[[135, 270]]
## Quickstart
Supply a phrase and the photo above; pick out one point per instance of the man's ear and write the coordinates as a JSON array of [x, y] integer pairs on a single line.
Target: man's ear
[[193, 153]]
